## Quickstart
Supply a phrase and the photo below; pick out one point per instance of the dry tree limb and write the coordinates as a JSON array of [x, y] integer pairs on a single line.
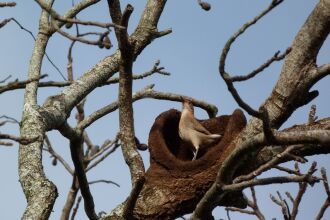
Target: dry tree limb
[[252, 204], [58, 17], [225, 75], [22, 84], [34, 38], [75, 209], [147, 92], [7, 4], [102, 157], [282, 203], [326, 203], [103, 149], [104, 181], [6, 144], [155, 69], [219, 189], [76, 147], [276, 57], [57, 156], [21, 140]]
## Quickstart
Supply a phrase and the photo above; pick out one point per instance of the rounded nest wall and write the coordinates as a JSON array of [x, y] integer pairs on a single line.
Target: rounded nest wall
[[175, 183]]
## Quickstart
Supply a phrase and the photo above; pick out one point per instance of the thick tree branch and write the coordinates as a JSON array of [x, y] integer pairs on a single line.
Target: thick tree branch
[[125, 106]]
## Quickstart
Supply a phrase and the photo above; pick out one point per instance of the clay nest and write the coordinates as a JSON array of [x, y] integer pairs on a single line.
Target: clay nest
[[168, 153], [175, 183]]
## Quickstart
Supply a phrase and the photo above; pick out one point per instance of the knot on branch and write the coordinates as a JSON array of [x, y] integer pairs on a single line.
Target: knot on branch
[[175, 181]]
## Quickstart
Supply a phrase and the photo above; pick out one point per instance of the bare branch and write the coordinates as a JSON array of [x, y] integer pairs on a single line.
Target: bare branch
[[282, 203], [104, 181], [155, 69], [276, 57], [147, 92], [323, 70], [71, 197], [21, 140], [224, 54], [102, 150], [7, 4], [76, 148], [34, 38], [326, 203], [6, 144], [8, 120], [229, 165], [105, 155], [57, 156], [75, 209], [267, 165], [19, 84], [271, 180]]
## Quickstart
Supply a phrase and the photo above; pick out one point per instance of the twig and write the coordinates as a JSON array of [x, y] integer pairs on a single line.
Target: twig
[[282, 203], [267, 165], [32, 35], [75, 209], [102, 150], [284, 169], [271, 180], [148, 92], [20, 140], [17, 84], [76, 148], [56, 16], [7, 4], [224, 54], [326, 203], [5, 79], [6, 144], [8, 120], [105, 155], [253, 144], [155, 69], [104, 181], [276, 57], [57, 156], [22, 84]]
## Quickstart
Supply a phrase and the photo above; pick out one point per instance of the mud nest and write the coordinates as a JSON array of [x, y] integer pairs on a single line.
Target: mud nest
[[175, 183]]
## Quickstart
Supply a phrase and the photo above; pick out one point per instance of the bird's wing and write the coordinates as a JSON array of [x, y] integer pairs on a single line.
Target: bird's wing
[[198, 127]]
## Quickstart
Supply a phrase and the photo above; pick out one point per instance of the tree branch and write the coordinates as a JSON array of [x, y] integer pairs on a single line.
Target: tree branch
[[147, 92], [76, 148], [7, 4]]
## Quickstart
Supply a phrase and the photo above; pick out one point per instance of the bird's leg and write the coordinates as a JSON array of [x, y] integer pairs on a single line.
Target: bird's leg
[[195, 153]]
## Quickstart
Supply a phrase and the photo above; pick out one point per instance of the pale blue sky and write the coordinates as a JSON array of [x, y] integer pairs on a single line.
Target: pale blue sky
[[190, 53]]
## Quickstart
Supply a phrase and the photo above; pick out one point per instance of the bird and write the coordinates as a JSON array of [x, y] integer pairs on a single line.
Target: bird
[[192, 132]]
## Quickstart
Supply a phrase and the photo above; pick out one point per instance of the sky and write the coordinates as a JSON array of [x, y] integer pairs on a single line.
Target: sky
[[190, 54]]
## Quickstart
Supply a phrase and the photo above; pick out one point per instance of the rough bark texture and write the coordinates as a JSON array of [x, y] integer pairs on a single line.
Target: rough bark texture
[[298, 75], [39, 191], [174, 184]]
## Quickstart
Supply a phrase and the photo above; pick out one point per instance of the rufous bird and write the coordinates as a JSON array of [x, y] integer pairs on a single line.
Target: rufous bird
[[192, 132]]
